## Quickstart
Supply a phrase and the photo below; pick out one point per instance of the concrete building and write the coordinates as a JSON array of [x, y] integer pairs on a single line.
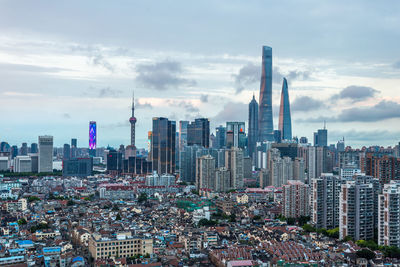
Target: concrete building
[[22, 164], [299, 170], [356, 208], [295, 199], [234, 163], [205, 172], [222, 179], [123, 245], [160, 180], [79, 167], [325, 192], [4, 165], [389, 215], [45, 154]]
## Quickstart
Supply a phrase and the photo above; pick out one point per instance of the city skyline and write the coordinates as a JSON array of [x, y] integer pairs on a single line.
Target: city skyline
[[60, 77]]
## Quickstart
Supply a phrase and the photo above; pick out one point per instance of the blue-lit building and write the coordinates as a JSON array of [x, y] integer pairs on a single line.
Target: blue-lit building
[[265, 117], [92, 138], [285, 121]]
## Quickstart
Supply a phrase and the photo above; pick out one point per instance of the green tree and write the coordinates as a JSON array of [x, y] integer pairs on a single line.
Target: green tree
[[142, 197], [334, 233], [290, 221], [33, 198], [22, 221], [308, 228], [366, 254], [70, 202], [118, 218]]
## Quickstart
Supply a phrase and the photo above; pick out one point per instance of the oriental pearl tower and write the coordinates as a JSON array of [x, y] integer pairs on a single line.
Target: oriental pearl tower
[[132, 121]]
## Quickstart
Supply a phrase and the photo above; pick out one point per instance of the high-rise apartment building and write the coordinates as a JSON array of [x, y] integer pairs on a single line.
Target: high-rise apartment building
[[222, 179], [198, 132], [295, 199], [356, 208], [253, 128], [234, 163], [265, 117], [45, 163], [163, 145], [285, 121], [205, 172], [383, 167], [325, 192], [389, 215]]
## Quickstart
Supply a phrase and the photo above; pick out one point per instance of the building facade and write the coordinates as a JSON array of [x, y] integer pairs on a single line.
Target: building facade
[[163, 140], [285, 121], [45, 163]]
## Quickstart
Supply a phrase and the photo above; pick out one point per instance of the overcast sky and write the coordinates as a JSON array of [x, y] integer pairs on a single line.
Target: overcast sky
[[64, 63]]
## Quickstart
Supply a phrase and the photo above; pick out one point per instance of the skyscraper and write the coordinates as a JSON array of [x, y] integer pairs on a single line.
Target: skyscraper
[[198, 132], [163, 145], [220, 136], [74, 146], [235, 134], [34, 148], [265, 119], [24, 149], [253, 127], [45, 153], [67, 151], [132, 121], [183, 132], [285, 121], [92, 138]]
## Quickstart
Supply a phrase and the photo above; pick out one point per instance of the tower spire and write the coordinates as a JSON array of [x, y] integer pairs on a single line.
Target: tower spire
[[132, 120]]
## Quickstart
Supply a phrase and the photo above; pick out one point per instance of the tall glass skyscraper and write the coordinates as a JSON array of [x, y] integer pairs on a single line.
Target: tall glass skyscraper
[[92, 138], [285, 121], [253, 127], [163, 145], [265, 119]]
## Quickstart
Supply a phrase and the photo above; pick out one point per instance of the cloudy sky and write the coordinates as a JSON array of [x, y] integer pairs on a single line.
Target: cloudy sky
[[64, 63]]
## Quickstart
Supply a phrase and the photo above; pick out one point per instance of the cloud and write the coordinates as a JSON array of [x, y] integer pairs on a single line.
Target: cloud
[[356, 93], [98, 59], [139, 105], [382, 111], [122, 124], [102, 92], [162, 75], [248, 75], [29, 68], [187, 105], [305, 103], [298, 75], [396, 65], [66, 116], [232, 111], [362, 137], [204, 98]]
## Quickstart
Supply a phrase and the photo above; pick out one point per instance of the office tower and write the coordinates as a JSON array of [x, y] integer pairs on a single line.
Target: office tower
[[14, 151], [356, 208], [213, 141], [287, 149], [340, 145], [253, 128], [81, 167], [285, 121], [303, 140], [220, 135], [295, 199], [325, 192], [299, 170], [205, 172], [113, 161], [22, 164], [34, 148], [92, 138], [389, 215], [265, 118], [277, 136], [222, 179], [183, 132], [24, 149], [66, 151], [163, 145], [321, 137], [45, 163], [198, 132], [235, 134], [234, 163], [74, 146], [132, 121]]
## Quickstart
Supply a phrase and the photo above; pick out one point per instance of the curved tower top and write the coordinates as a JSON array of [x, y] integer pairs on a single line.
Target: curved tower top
[[285, 121], [265, 119]]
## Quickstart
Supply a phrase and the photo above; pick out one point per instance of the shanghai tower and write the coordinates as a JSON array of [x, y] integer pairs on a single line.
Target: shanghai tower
[[285, 121], [265, 119]]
